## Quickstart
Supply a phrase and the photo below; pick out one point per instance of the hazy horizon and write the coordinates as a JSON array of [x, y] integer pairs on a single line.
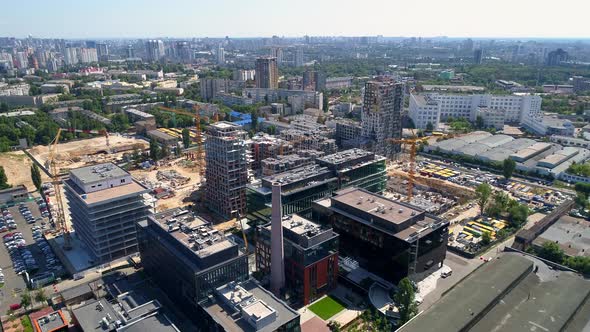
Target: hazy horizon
[[133, 19]]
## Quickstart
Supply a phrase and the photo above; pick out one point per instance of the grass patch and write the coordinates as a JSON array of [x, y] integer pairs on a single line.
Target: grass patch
[[26, 323], [326, 307]]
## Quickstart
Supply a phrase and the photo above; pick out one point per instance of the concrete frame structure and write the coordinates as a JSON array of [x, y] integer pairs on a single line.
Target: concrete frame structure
[[381, 116], [267, 73], [227, 169], [105, 204]]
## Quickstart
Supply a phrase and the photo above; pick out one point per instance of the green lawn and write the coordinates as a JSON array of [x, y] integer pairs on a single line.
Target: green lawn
[[326, 307]]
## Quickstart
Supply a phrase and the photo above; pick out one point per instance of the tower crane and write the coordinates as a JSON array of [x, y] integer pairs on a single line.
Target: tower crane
[[200, 153], [412, 142], [54, 171]]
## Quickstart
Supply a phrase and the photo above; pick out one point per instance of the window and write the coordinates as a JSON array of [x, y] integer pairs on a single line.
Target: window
[[122, 180]]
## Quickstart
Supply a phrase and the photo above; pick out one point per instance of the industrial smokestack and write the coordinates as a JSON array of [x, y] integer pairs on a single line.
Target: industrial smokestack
[[277, 256]]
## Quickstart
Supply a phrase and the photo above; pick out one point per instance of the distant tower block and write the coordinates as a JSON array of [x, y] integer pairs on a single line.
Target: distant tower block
[[277, 256]]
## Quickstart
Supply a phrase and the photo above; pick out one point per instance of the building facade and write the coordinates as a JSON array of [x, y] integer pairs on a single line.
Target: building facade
[[389, 238], [381, 116], [105, 203], [267, 73], [311, 257], [187, 258], [227, 169]]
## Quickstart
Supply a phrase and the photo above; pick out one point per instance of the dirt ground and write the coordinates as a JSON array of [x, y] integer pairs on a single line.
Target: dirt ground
[[181, 192], [88, 151], [18, 169]]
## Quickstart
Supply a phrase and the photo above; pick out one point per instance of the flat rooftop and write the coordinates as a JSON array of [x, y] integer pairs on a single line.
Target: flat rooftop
[[99, 172], [231, 319], [47, 320], [347, 156], [374, 204], [109, 194], [297, 175], [571, 234], [192, 231]]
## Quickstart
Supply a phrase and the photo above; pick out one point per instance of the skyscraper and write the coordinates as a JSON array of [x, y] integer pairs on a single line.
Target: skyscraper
[[220, 55], [381, 115], [154, 50], [267, 73], [227, 169], [277, 52], [183, 52], [554, 58], [102, 49], [478, 56], [299, 57], [130, 51]]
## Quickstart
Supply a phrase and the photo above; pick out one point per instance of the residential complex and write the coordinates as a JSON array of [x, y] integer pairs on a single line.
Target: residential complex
[[381, 117], [105, 203], [435, 107], [267, 73]]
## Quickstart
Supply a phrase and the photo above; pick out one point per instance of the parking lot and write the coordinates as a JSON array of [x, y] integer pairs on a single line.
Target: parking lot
[[22, 250]]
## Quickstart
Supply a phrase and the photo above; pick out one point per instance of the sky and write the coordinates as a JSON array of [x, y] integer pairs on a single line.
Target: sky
[[294, 18]]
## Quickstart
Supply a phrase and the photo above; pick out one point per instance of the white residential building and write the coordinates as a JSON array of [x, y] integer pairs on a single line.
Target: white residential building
[[519, 108], [424, 110]]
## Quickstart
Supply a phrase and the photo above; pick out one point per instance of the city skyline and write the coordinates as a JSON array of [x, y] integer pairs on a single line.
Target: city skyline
[[262, 18]]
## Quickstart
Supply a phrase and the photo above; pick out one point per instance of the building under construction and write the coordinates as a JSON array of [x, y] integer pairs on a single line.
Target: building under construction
[[381, 116], [263, 146], [389, 238], [280, 164], [357, 168], [309, 140], [227, 169], [301, 186], [105, 203]]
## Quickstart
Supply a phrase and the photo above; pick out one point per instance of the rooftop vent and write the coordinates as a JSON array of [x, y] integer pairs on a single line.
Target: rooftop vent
[[400, 210]]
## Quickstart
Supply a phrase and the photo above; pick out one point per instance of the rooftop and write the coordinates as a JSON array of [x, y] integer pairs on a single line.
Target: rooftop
[[193, 232], [297, 175], [47, 320], [133, 188], [247, 307], [347, 156], [100, 172], [510, 293], [571, 234]]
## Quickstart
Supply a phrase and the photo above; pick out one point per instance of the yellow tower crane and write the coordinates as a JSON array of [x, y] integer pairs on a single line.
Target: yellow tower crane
[[61, 223]]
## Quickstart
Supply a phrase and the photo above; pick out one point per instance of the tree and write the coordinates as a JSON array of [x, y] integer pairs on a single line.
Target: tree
[[254, 115], [429, 126], [405, 300], [483, 192], [154, 149], [3, 179], [186, 138], [40, 295], [518, 213], [3, 107], [334, 326], [36, 176], [479, 123], [25, 299], [486, 238], [551, 251], [508, 167], [164, 152]]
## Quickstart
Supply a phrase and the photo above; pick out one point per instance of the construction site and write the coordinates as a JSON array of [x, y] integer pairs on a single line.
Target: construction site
[[79, 153]]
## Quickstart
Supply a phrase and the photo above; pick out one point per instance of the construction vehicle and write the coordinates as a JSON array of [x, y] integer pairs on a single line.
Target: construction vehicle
[[61, 225]]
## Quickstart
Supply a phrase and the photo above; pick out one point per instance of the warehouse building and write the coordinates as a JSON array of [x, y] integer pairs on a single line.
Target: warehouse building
[[388, 238], [511, 293], [530, 156]]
